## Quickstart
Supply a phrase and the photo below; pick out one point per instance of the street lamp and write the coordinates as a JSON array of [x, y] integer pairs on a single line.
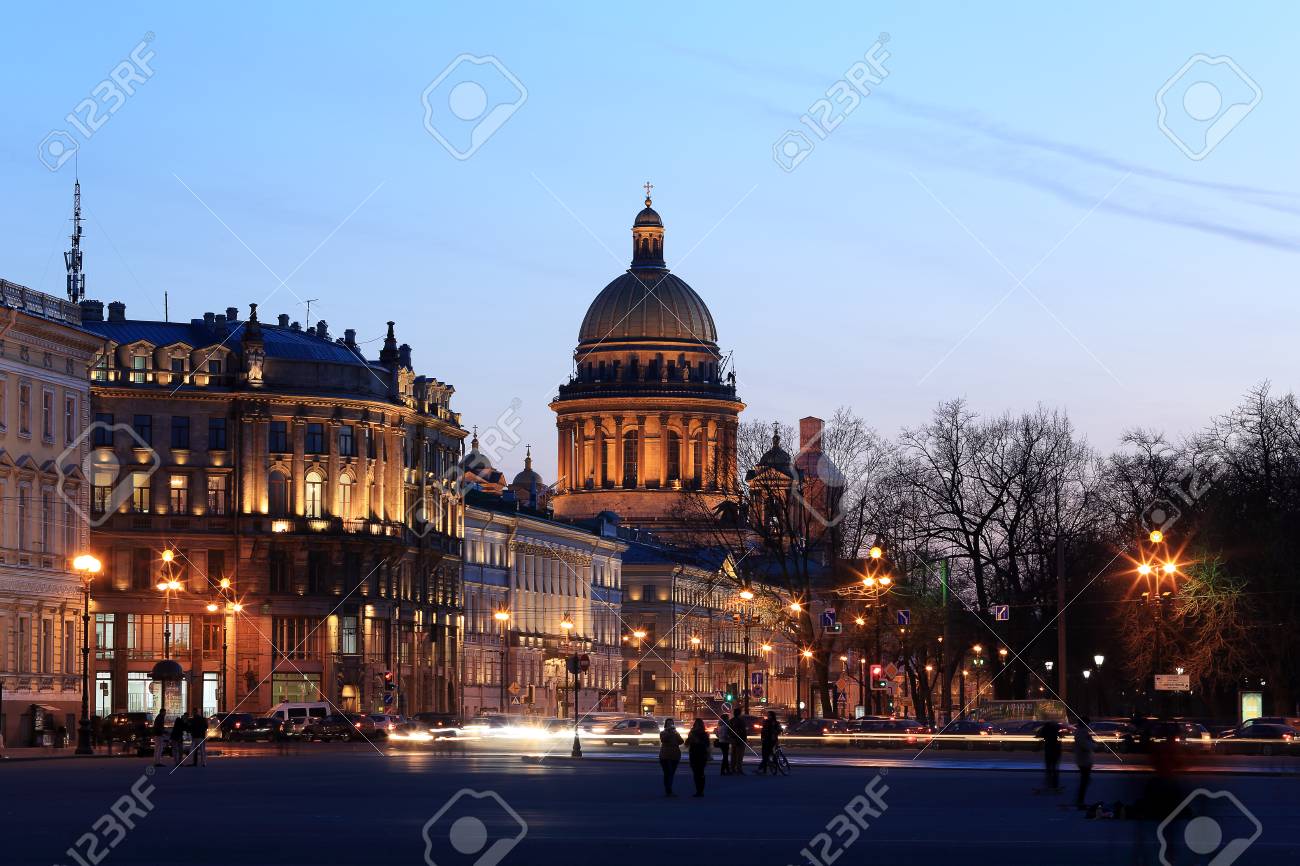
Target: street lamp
[[228, 606], [503, 616], [798, 712], [87, 566]]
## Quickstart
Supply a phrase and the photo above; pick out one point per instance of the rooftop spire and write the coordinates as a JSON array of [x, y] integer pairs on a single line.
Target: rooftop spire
[[648, 186], [72, 258], [648, 236]]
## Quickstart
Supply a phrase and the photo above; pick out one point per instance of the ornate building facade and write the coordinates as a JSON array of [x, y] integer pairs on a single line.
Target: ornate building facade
[[538, 590], [44, 406], [302, 497], [650, 409]]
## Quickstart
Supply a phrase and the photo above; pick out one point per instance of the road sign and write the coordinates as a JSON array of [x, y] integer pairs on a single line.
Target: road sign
[[1001, 612], [756, 679], [891, 670], [584, 662], [835, 628], [513, 688], [904, 616], [841, 696], [388, 699], [828, 617], [1173, 682], [756, 691], [717, 696], [726, 708]]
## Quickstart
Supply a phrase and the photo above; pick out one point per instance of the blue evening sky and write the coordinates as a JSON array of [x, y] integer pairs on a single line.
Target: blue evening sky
[[880, 273]]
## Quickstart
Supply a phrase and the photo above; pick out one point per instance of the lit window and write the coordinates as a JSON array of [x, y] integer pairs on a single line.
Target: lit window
[[178, 494]]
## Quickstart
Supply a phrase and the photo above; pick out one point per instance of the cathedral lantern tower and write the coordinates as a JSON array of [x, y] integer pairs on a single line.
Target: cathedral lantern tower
[[650, 409]]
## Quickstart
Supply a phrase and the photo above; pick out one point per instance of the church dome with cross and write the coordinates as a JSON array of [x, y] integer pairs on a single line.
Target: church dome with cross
[[650, 408]]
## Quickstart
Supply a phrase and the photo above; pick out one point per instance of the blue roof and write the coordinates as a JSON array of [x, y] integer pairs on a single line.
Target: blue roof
[[279, 342]]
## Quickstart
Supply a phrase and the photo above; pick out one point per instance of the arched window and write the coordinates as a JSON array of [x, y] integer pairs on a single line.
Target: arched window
[[697, 459], [629, 458], [674, 456], [278, 491], [314, 494], [344, 508]]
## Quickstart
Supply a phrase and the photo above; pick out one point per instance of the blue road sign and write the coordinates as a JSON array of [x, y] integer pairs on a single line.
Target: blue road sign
[[904, 616], [756, 678], [828, 617], [1001, 612]]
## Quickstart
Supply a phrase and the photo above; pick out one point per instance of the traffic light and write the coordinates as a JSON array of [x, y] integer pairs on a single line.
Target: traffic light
[[389, 684], [878, 680], [732, 690]]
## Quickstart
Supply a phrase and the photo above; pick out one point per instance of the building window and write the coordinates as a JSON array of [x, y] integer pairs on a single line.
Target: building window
[[214, 367], [181, 432], [295, 688], [674, 456], [315, 443], [216, 565], [344, 508], [317, 564], [103, 693], [216, 434], [101, 490], [295, 637], [4, 402], [178, 365], [141, 501], [138, 367], [279, 443], [105, 631], [103, 435], [143, 426], [216, 494], [370, 442], [278, 571], [25, 408], [629, 458], [144, 635], [347, 442], [47, 520], [348, 635], [47, 416], [278, 492], [142, 569], [69, 418], [313, 494], [99, 371], [178, 494], [23, 493]]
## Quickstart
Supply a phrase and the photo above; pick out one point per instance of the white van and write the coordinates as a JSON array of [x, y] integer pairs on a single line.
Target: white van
[[295, 716]]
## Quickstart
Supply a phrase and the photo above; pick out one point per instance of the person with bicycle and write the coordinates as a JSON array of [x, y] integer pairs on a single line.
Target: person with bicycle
[[768, 738]]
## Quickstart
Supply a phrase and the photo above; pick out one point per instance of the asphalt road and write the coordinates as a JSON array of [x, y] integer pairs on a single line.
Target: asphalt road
[[355, 806]]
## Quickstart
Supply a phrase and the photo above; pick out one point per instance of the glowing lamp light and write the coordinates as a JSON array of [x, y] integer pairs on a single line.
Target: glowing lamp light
[[87, 563], [876, 552], [639, 634], [501, 615], [868, 581], [1087, 674], [844, 658], [1157, 536], [1144, 569], [1098, 659], [162, 586], [225, 583], [239, 608], [886, 580], [167, 555], [747, 595], [695, 640], [1170, 567], [212, 607], [767, 647], [796, 606], [807, 654], [566, 625], [859, 620]]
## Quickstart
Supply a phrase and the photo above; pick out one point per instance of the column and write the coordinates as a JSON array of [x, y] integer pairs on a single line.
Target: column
[[641, 437], [663, 451], [247, 476], [598, 464], [299, 474]]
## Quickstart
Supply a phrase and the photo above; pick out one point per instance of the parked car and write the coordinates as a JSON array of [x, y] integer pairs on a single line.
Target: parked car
[[294, 716], [128, 727], [1259, 738], [1147, 731], [336, 726], [232, 724], [378, 724], [633, 731], [815, 727]]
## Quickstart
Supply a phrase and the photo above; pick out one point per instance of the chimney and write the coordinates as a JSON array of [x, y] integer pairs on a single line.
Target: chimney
[[232, 314], [209, 319], [219, 321], [284, 320], [404, 355], [350, 338], [117, 311], [92, 311], [322, 330], [311, 331], [294, 326], [810, 435]]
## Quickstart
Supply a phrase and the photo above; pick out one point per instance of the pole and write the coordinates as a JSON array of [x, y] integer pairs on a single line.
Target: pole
[[798, 687], [83, 729], [943, 647], [224, 702], [505, 664], [1060, 619], [745, 686], [577, 747]]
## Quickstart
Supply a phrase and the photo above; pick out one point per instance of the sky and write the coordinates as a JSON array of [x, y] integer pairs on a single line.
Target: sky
[[1003, 215]]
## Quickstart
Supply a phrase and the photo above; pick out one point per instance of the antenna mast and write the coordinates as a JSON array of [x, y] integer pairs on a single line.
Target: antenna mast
[[72, 258]]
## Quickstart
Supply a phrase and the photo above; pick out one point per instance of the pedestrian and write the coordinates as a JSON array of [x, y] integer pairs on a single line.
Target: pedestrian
[[769, 737], [724, 744], [199, 735], [1084, 746], [698, 752], [1050, 733], [670, 754], [160, 738], [178, 738], [737, 743]]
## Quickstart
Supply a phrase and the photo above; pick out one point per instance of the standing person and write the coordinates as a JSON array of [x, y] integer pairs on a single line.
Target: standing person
[[159, 738], [670, 754], [698, 751], [724, 743], [769, 737], [1084, 746], [178, 738], [199, 734], [1051, 736], [737, 742]]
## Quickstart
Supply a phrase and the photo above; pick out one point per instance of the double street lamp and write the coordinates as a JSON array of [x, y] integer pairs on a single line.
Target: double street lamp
[[227, 606], [87, 566], [503, 617]]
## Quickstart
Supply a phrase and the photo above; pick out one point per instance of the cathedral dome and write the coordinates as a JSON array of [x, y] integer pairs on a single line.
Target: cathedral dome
[[648, 217], [648, 304]]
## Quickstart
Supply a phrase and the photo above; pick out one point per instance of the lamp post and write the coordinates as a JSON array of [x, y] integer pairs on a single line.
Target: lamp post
[[747, 596], [503, 617], [695, 674], [876, 588], [87, 566], [1098, 660], [766, 649], [1002, 661], [807, 655], [1155, 566], [978, 664], [567, 625], [640, 636], [227, 607]]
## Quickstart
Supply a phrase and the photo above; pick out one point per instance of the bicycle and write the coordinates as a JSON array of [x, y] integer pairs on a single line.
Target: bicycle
[[780, 761]]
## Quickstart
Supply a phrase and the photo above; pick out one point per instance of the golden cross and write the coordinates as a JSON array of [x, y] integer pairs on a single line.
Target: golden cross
[[648, 186]]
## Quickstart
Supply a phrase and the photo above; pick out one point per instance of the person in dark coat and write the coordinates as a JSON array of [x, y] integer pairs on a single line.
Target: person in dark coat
[[737, 725], [1051, 737], [159, 737], [178, 737], [199, 736], [769, 736], [670, 754], [698, 752], [724, 744]]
